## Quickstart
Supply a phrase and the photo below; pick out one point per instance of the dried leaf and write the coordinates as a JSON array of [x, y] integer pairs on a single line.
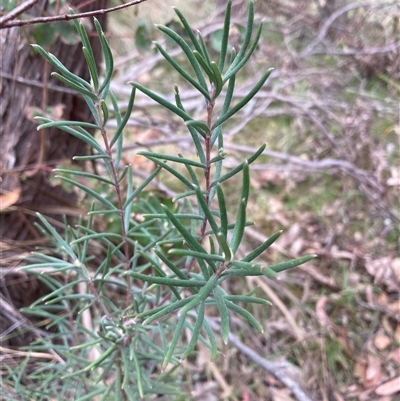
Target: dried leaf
[[383, 273], [397, 333], [9, 198], [395, 265], [374, 371], [321, 314], [281, 394], [394, 356], [382, 341], [389, 388], [359, 368]]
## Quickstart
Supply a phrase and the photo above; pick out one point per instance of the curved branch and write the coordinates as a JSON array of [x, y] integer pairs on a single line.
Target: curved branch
[[62, 17], [279, 370]]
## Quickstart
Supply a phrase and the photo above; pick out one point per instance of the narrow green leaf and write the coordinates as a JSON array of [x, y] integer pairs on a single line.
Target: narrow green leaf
[[187, 50], [204, 51], [91, 395], [225, 37], [188, 29], [244, 313], [218, 158], [127, 115], [108, 58], [117, 136], [89, 56], [223, 311], [199, 126], [246, 58], [204, 65], [171, 266], [196, 332], [61, 67], [66, 297], [204, 292], [103, 357], [206, 210], [193, 176], [247, 38], [188, 237], [217, 132], [177, 159], [244, 101], [125, 365], [192, 131], [58, 124], [247, 299], [138, 372], [60, 290], [238, 231], [260, 249], [83, 174], [83, 135], [242, 269], [213, 251], [158, 270], [167, 281], [225, 247], [160, 100], [128, 207], [89, 191], [143, 185], [159, 312], [74, 85], [268, 272], [182, 72], [174, 341], [174, 172], [139, 227], [91, 157], [181, 216], [110, 387], [93, 109], [183, 195], [197, 255], [60, 241], [104, 109], [92, 67], [87, 344], [218, 79], [239, 168], [96, 236], [211, 337], [223, 211], [291, 263]]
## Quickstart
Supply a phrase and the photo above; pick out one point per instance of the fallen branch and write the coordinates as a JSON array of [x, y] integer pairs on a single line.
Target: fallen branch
[[278, 369]]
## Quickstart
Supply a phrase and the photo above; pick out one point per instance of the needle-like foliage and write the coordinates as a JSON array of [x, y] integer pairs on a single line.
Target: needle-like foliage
[[171, 265]]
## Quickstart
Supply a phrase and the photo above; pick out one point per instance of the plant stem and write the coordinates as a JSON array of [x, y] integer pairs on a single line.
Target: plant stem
[[121, 211], [207, 145]]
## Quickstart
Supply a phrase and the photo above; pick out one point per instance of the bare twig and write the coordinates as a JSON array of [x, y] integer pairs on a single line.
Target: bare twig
[[17, 11], [67, 17], [325, 28], [278, 369]]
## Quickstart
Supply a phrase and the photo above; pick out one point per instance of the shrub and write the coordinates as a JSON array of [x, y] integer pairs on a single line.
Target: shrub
[[117, 320]]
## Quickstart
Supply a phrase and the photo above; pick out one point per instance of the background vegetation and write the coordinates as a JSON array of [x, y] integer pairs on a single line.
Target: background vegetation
[[329, 178]]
